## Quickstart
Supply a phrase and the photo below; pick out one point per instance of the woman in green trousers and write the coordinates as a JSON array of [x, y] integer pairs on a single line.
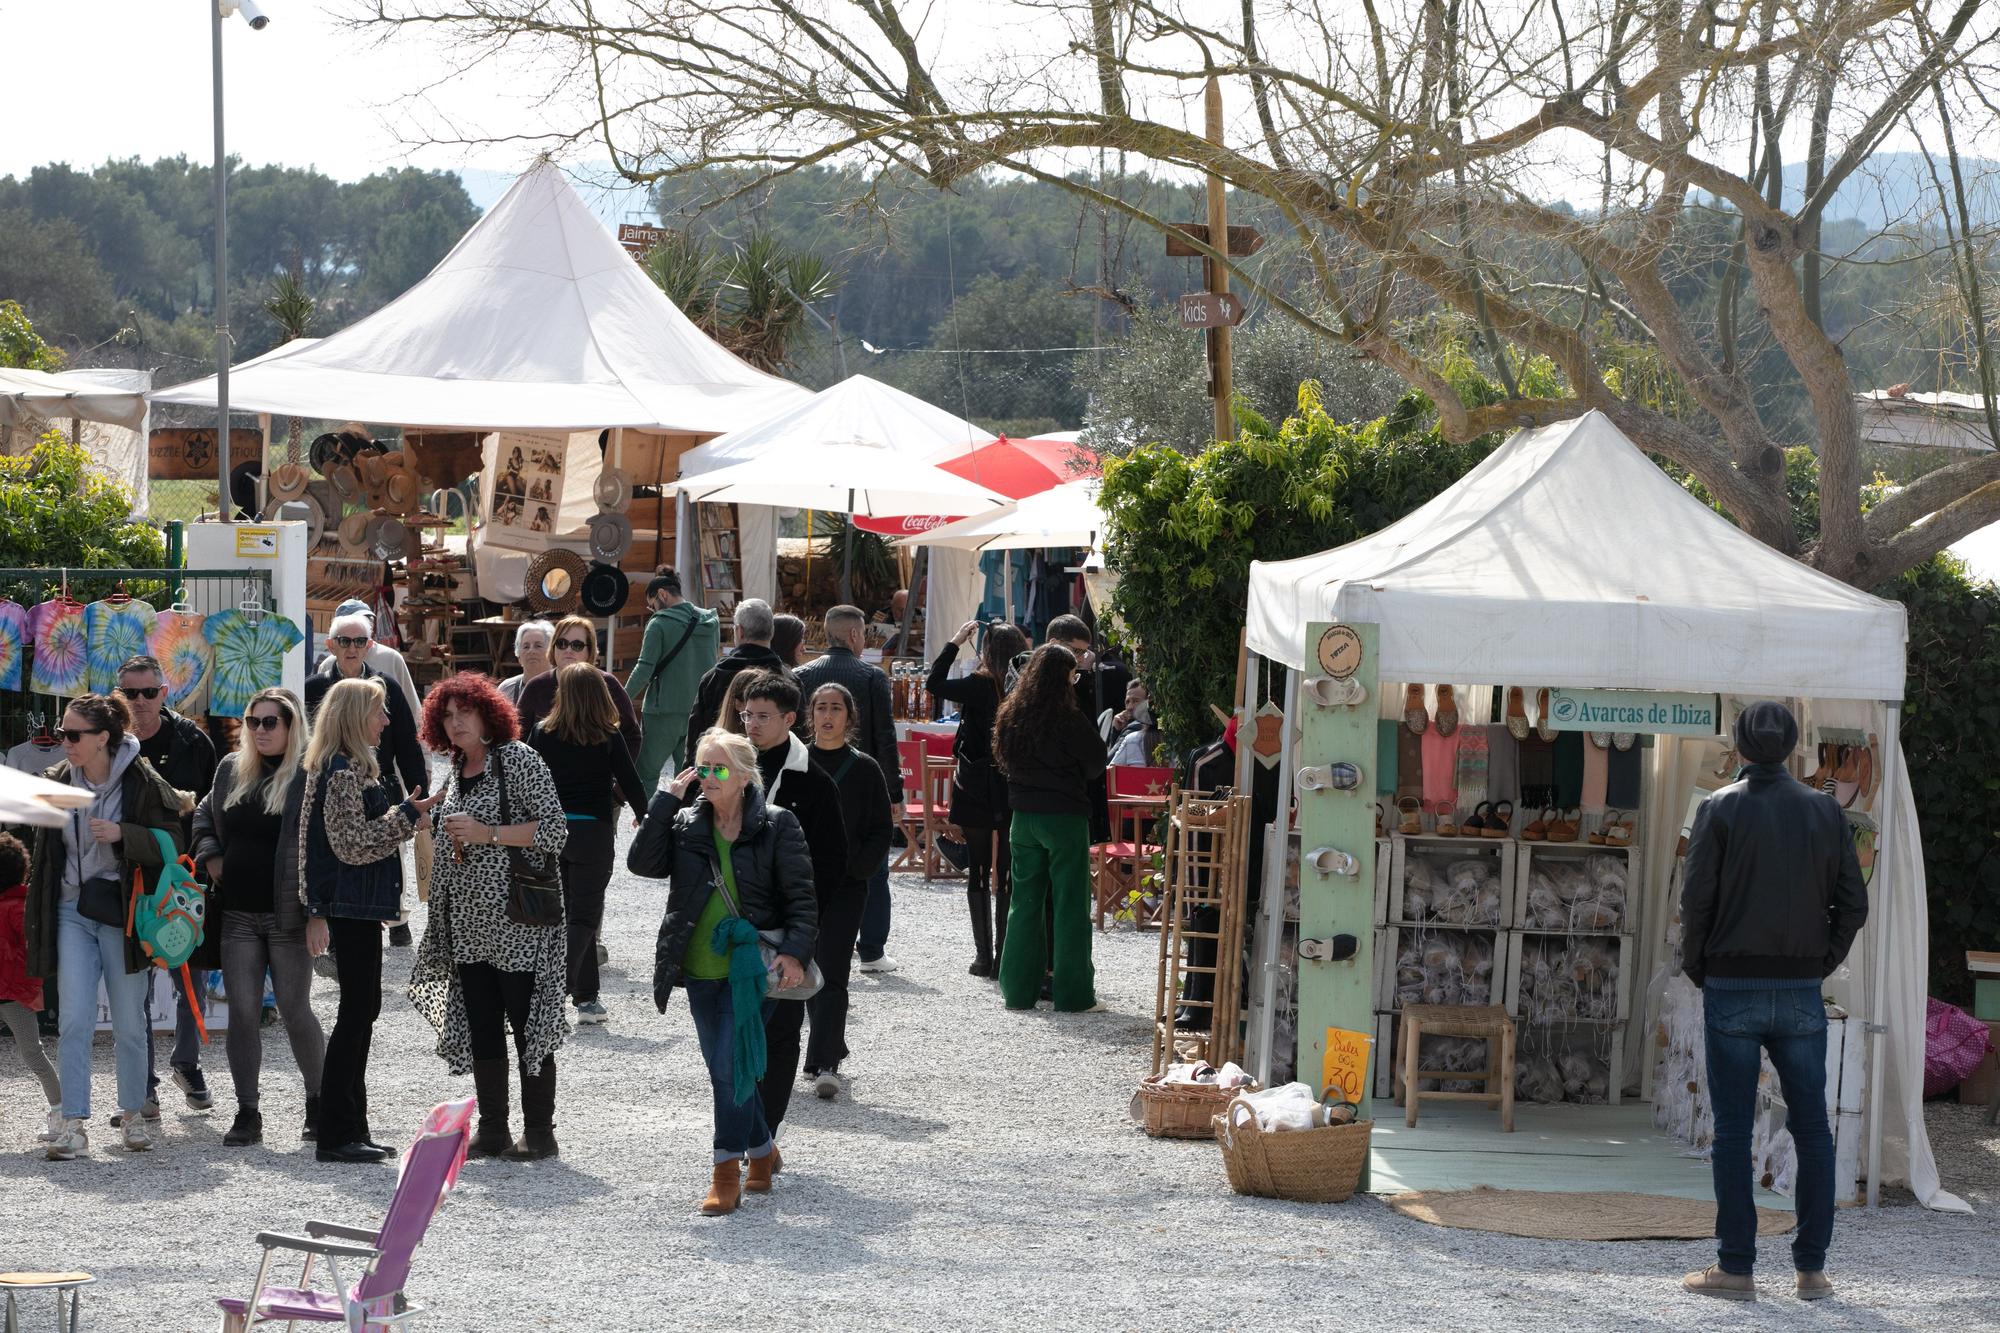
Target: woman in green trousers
[[1054, 764]]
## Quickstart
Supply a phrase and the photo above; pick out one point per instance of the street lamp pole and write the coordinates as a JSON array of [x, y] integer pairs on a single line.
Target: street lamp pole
[[222, 505]]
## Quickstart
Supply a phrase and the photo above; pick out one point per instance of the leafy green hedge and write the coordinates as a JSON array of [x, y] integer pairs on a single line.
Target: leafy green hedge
[[58, 510]]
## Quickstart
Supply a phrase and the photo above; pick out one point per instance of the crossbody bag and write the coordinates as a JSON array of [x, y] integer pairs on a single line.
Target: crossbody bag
[[767, 949]]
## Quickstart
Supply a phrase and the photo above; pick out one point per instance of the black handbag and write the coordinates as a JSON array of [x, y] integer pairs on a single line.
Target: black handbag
[[102, 900], [534, 879]]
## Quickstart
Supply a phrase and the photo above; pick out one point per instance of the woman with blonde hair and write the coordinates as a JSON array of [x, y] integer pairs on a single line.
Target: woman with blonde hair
[[241, 830], [578, 739], [737, 866], [350, 872]]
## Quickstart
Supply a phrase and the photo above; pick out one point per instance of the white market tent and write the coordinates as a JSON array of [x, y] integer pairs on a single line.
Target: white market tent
[[839, 476], [113, 400], [1568, 558], [856, 409], [1065, 515], [536, 320]]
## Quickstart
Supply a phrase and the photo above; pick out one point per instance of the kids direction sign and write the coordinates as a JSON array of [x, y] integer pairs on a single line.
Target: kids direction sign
[[1635, 710]]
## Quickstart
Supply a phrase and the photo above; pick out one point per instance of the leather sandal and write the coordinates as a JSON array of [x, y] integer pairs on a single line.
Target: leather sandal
[[1412, 811], [1567, 825], [1517, 713], [1596, 836], [1619, 834], [1475, 823], [1542, 727], [1447, 713], [1538, 828], [1447, 818], [1415, 716], [1500, 821]]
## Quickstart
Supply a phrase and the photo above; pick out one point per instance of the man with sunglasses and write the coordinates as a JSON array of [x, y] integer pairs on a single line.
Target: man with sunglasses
[[383, 660], [400, 757], [180, 752]]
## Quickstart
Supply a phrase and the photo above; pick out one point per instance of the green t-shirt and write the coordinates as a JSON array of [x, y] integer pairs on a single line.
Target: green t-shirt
[[702, 962]]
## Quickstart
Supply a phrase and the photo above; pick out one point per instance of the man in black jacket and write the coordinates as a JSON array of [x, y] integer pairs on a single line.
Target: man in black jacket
[[1100, 685], [874, 736], [754, 623], [791, 782], [181, 752], [1771, 899]]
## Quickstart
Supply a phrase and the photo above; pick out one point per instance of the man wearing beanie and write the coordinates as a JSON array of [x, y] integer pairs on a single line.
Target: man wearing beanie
[[1771, 899]]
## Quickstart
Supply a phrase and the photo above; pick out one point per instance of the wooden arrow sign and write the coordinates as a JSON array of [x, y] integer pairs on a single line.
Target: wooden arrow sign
[[1242, 240], [1211, 310]]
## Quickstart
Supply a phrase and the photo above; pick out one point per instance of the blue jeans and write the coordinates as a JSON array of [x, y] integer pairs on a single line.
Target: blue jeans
[[740, 1130], [1791, 1025], [187, 1037], [85, 952], [873, 941]]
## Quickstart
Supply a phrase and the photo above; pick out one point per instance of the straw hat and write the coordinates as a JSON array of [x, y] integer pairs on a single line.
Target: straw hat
[[613, 490], [288, 481], [354, 532]]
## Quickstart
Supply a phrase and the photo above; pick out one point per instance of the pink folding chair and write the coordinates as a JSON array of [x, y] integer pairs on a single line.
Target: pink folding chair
[[375, 1301]]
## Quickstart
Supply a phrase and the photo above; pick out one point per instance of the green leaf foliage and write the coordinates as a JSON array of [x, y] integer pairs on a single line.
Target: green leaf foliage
[[21, 348], [1183, 531], [56, 510]]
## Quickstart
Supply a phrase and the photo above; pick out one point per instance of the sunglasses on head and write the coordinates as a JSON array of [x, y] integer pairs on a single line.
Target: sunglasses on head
[[76, 734], [142, 691], [349, 641], [270, 723], [574, 645], [714, 772]]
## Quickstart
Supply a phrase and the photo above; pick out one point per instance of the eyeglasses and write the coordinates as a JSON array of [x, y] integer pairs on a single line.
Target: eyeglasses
[[348, 641], [271, 723], [754, 719], [574, 645], [142, 691], [713, 772], [73, 735]]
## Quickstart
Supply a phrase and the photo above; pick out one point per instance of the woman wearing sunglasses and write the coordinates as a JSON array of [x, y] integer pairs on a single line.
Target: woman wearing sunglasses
[[736, 866], [351, 878], [579, 742], [242, 830], [79, 888], [479, 971], [576, 641]]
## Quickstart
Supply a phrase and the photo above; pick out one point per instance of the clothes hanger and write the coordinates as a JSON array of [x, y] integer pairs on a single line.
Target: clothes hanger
[[118, 596], [252, 605]]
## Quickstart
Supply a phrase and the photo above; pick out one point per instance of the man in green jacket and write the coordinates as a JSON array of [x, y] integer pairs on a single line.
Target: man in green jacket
[[682, 641]]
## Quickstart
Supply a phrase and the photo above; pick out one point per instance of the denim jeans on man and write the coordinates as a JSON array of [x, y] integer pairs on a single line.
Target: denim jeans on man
[[1787, 1019], [85, 951], [739, 1126], [873, 941], [187, 1037]]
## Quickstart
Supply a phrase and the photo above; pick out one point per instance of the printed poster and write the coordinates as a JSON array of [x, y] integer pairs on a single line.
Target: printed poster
[[528, 481]]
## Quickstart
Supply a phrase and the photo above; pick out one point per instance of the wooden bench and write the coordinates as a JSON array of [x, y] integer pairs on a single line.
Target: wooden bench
[[1490, 1022]]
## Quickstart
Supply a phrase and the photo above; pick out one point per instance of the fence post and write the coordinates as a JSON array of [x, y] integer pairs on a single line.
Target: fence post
[[175, 555]]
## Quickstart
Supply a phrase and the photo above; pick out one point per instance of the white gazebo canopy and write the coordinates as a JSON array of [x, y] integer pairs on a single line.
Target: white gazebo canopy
[[112, 401], [839, 476], [536, 320], [1569, 556], [1065, 515]]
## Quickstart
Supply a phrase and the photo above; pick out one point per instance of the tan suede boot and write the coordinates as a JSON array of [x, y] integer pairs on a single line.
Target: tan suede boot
[[1712, 1281], [761, 1171], [725, 1190]]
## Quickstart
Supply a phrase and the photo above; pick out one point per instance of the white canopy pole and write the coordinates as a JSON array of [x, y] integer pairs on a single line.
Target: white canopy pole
[[1271, 903], [1878, 963]]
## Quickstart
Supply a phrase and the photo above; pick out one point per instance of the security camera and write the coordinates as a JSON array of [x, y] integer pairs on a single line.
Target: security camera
[[255, 17]]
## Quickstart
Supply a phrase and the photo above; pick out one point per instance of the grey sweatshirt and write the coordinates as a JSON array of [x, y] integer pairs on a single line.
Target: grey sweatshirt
[[84, 857]]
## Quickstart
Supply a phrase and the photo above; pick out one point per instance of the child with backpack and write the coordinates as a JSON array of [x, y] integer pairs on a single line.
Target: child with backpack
[[21, 994]]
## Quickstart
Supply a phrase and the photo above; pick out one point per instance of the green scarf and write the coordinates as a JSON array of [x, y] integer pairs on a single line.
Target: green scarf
[[737, 939]]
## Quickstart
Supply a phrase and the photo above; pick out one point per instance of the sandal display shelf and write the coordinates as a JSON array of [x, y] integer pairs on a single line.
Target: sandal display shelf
[[1567, 858], [1454, 983], [1431, 855], [1543, 1010]]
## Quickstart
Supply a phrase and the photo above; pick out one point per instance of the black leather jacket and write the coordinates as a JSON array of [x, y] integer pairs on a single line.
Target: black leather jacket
[[773, 872], [1772, 888]]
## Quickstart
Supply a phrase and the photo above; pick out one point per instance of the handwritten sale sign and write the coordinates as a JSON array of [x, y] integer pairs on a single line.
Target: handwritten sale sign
[[1344, 1071]]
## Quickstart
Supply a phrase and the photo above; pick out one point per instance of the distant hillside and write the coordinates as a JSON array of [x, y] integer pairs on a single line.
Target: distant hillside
[[1897, 190]]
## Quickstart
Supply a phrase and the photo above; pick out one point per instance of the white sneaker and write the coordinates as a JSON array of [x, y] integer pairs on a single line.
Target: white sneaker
[[54, 1128], [590, 1011], [138, 1138], [71, 1142], [829, 1085], [883, 964]]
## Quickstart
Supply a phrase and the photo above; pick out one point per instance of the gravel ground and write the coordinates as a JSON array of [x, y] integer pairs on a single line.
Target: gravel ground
[[985, 1176]]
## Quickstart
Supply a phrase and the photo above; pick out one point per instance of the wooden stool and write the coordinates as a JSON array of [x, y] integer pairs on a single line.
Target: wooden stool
[[1446, 1020], [66, 1286]]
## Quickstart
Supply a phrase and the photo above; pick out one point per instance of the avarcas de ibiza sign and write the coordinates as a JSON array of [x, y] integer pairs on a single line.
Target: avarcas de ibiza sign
[[1635, 710]]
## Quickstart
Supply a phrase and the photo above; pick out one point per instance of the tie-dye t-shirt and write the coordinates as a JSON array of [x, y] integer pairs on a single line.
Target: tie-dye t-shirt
[[184, 658], [61, 658], [13, 634], [115, 632], [248, 657]]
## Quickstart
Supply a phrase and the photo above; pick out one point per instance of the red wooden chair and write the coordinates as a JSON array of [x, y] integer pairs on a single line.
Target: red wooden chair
[[1135, 795], [910, 813], [938, 768]]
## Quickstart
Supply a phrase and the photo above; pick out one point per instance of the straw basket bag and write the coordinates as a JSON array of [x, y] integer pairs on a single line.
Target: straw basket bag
[[1183, 1110], [1303, 1165]]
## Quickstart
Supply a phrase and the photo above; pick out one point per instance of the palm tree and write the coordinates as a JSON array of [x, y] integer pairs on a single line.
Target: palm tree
[[754, 301], [293, 309]]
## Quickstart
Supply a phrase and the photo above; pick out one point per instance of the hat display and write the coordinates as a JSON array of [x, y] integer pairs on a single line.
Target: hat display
[[402, 492], [288, 481], [346, 481], [324, 453], [554, 582], [605, 590], [354, 532], [388, 538], [610, 536], [613, 490], [315, 521]]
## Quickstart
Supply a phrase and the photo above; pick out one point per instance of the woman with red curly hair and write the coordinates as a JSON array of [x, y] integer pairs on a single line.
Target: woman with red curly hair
[[479, 971]]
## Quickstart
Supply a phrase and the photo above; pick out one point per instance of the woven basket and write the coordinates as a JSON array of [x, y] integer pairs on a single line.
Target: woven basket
[[1303, 1165], [1182, 1110]]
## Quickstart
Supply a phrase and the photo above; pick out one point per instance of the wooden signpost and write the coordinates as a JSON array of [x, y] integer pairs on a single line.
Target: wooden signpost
[[639, 237], [1214, 310]]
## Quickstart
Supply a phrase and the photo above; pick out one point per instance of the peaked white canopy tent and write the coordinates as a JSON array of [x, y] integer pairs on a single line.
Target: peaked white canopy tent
[[1568, 558], [858, 409]]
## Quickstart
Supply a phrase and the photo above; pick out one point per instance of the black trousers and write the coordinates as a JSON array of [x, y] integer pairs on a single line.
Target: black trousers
[[839, 925], [586, 870], [343, 1084], [495, 1000], [783, 1021]]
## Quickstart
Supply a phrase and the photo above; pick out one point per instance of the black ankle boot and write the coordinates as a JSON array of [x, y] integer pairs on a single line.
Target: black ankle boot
[[981, 904], [309, 1132], [538, 1115], [489, 1080], [1002, 900]]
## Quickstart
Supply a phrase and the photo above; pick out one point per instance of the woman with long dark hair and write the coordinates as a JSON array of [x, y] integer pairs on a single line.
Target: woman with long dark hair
[[578, 739], [1054, 764], [978, 791]]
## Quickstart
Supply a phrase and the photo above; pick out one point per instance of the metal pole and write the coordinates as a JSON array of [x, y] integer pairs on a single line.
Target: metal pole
[[1218, 276], [847, 554], [1876, 1029], [221, 282]]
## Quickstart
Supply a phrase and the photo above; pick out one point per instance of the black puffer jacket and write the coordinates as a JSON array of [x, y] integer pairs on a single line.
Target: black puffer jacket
[[715, 683], [773, 873], [1772, 889]]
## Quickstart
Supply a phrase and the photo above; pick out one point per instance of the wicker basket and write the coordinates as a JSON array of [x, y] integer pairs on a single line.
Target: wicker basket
[[1303, 1165], [1182, 1110]]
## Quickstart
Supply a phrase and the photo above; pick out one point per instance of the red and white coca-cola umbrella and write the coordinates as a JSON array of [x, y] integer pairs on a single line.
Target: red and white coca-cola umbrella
[[1015, 468]]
